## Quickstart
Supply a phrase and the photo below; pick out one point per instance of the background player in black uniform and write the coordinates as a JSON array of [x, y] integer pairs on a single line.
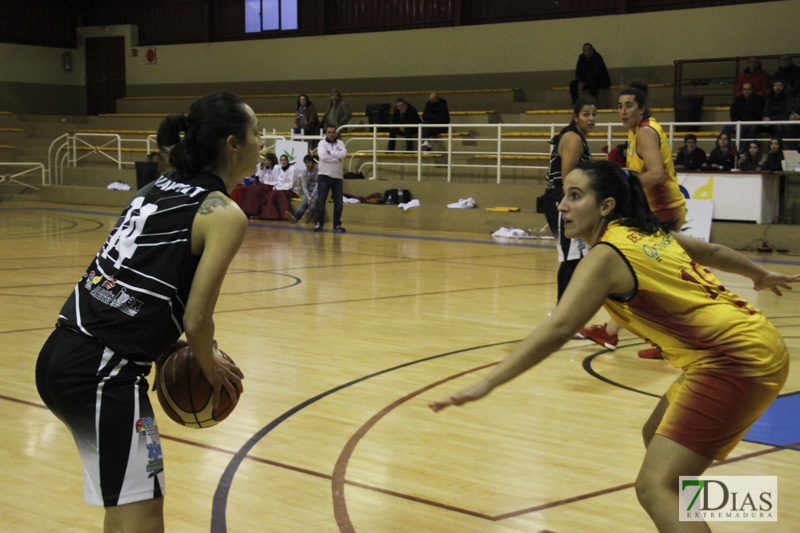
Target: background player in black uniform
[[569, 148], [157, 275]]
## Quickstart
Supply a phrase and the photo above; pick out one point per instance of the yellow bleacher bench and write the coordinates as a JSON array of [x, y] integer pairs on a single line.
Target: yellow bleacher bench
[[620, 87], [109, 149], [394, 155], [118, 132]]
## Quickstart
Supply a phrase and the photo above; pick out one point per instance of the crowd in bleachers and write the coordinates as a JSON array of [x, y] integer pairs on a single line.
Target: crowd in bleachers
[[765, 98]]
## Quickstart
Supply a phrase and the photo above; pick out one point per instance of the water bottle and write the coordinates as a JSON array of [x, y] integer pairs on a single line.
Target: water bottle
[[400, 199]]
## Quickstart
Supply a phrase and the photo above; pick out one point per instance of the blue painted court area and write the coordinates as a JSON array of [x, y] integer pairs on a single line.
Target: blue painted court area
[[780, 424]]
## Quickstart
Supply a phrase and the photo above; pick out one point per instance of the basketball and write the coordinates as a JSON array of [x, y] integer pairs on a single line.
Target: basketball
[[185, 394]]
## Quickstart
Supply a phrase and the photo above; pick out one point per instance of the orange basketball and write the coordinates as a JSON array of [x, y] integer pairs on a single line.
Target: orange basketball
[[185, 393]]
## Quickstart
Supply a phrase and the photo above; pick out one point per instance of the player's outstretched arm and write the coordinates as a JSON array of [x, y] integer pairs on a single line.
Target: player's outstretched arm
[[600, 273], [723, 258]]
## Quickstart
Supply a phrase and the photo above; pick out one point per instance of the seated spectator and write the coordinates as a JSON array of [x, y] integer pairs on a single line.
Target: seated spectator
[[287, 186], [267, 170], [306, 120], [338, 112], [618, 154], [590, 73], [404, 113], [690, 157], [308, 181], [250, 197], [435, 112], [723, 156], [789, 74], [753, 159], [792, 131], [755, 75], [774, 156], [747, 107], [776, 107]]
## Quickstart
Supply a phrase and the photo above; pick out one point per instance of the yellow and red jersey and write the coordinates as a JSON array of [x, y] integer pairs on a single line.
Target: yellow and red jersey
[[664, 195], [682, 307]]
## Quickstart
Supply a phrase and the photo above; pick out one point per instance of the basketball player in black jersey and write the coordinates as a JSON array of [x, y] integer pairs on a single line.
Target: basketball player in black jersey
[[157, 275]]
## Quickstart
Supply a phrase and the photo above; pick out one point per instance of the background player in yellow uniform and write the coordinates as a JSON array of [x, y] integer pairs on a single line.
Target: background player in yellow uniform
[[650, 156], [735, 362]]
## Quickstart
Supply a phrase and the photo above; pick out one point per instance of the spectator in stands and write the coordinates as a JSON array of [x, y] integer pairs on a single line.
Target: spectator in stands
[[251, 197], [267, 169], [723, 156], [590, 73], [308, 181], [789, 74], [753, 159], [754, 74], [776, 107], [404, 113], [435, 112], [774, 156], [617, 154], [792, 131], [338, 112], [287, 186], [330, 178], [306, 120], [690, 157], [747, 107]]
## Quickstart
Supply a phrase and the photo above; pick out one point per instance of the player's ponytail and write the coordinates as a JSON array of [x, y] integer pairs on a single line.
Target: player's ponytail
[[169, 132], [211, 120], [608, 180]]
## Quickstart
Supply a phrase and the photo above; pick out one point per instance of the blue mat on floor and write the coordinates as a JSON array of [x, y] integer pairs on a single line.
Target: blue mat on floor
[[780, 424]]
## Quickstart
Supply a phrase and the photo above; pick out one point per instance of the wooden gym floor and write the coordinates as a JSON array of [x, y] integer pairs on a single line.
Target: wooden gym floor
[[343, 339]]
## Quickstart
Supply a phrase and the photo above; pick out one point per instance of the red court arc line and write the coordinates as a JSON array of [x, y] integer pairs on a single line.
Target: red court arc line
[[24, 402], [338, 481], [630, 485], [340, 469], [380, 415]]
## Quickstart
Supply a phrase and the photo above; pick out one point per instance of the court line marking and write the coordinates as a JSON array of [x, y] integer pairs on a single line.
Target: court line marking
[[218, 524], [364, 233], [219, 503]]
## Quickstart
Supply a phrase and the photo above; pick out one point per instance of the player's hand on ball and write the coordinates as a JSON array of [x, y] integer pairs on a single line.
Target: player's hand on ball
[[470, 394], [225, 374]]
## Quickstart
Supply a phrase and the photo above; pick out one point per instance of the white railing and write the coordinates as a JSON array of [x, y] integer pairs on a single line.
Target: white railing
[[498, 141], [482, 142], [31, 168], [533, 141]]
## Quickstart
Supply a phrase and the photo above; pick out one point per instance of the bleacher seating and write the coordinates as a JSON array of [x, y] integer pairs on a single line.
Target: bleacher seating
[[522, 170]]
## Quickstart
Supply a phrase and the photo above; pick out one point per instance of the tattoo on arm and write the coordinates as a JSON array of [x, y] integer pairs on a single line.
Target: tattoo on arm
[[212, 201]]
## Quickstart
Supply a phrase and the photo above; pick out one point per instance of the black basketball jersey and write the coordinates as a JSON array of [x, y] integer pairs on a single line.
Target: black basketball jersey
[[554, 184], [133, 295]]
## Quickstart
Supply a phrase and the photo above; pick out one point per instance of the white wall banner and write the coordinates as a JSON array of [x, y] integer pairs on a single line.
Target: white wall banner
[[698, 219], [294, 150], [736, 196]]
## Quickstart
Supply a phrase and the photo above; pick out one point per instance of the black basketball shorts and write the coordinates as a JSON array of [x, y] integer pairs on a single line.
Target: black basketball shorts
[[102, 398]]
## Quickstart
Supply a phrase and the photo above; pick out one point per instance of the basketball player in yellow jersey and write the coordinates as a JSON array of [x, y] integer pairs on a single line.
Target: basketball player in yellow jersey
[[735, 362], [650, 156]]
